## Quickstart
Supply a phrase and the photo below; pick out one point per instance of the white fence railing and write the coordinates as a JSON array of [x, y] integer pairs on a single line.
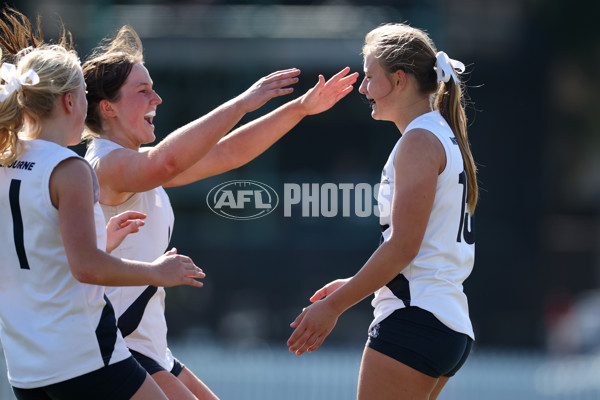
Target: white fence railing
[[271, 373]]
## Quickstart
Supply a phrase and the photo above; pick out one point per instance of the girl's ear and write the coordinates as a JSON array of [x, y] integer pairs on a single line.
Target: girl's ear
[[400, 78], [106, 108], [67, 102]]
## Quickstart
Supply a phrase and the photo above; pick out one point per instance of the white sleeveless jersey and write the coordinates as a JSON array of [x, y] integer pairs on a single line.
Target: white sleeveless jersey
[[52, 327], [433, 279], [141, 309]]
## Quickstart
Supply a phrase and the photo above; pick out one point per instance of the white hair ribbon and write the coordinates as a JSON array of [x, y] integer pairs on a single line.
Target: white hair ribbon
[[447, 67], [13, 81]]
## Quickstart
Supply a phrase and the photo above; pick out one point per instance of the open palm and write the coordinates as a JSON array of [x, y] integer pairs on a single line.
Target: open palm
[[324, 95]]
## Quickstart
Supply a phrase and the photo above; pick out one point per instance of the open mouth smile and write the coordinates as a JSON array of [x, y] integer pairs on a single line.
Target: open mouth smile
[[150, 117]]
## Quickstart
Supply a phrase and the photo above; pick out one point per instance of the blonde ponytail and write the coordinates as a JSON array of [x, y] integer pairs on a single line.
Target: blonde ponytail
[[449, 101]]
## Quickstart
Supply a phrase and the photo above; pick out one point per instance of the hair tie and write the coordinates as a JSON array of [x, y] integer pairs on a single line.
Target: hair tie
[[447, 67], [13, 81]]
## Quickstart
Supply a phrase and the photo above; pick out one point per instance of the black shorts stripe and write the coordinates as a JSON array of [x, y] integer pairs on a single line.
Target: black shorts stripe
[[131, 318]]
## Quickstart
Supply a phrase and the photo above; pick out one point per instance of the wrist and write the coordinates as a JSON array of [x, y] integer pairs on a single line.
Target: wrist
[[298, 108], [335, 303]]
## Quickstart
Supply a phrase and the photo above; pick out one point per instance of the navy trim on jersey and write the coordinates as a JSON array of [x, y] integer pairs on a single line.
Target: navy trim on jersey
[[106, 331], [401, 289], [399, 285], [383, 229], [131, 318]]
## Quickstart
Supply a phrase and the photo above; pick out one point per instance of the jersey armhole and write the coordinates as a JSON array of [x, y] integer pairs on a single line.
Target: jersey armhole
[[48, 176]]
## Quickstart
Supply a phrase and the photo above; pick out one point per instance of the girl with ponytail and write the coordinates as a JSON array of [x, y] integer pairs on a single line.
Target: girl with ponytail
[[421, 333], [58, 329]]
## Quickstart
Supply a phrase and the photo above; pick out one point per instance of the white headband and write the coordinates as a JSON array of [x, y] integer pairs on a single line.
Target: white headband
[[13, 81], [447, 67]]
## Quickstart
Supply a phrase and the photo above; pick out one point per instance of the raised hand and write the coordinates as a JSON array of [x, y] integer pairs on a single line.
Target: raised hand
[[174, 269], [272, 85], [324, 95], [120, 226]]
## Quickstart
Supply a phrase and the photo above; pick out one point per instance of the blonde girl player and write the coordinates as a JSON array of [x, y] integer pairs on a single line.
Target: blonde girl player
[[122, 107], [421, 334], [57, 327]]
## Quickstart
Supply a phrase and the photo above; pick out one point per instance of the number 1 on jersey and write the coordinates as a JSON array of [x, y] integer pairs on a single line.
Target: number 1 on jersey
[[465, 227], [15, 209]]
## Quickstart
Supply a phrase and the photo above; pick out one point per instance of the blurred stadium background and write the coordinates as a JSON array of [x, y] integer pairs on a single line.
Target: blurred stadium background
[[535, 135]]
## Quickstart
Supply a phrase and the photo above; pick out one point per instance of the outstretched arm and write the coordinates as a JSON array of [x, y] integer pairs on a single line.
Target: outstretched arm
[[186, 145], [252, 139]]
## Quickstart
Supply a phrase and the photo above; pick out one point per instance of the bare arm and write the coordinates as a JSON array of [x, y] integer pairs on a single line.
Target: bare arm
[[252, 139], [71, 192], [128, 171], [419, 159]]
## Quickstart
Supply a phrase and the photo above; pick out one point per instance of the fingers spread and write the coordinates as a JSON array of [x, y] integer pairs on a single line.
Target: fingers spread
[[350, 79], [344, 93], [340, 74], [283, 91], [286, 73]]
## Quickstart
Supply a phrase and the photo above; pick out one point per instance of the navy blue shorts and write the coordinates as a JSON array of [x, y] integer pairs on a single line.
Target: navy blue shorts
[[153, 367], [416, 338], [118, 381]]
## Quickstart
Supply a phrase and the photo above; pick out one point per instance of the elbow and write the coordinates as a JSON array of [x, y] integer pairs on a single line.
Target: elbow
[[405, 252], [85, 275], [161, 168], [169, 167]]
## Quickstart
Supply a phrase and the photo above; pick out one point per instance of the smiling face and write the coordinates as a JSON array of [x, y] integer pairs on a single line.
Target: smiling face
[[377, 86], [132, 114]]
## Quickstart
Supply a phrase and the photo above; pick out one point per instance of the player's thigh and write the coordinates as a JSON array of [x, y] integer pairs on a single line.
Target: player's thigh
[[193, 383], [382, 378], [172, 386], [149, 390]]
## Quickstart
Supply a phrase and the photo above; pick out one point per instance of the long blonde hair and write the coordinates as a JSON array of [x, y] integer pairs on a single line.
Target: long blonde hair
[[402, 47], [58, 69]]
